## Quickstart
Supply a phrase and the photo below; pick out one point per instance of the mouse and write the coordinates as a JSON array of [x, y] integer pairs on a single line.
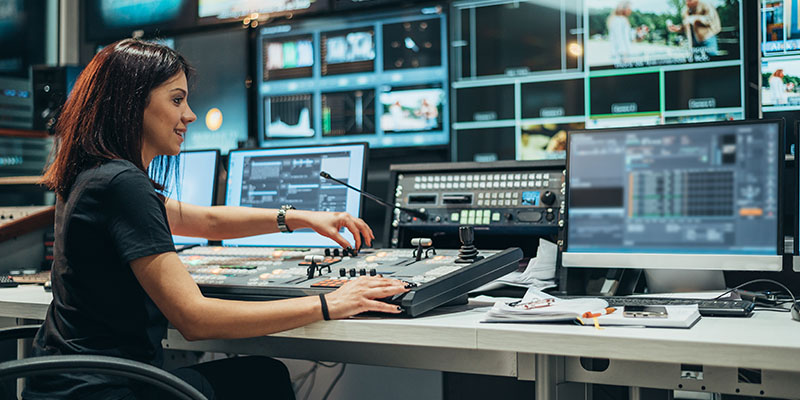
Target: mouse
[[796, 312]]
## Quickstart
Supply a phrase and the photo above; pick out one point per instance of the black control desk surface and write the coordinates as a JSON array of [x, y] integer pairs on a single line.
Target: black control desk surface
[[262, 273]]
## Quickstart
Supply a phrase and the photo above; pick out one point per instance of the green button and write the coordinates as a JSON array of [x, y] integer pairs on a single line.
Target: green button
[[486, 220], [496, 217], [472, 214], [471, 220], [454, 217]]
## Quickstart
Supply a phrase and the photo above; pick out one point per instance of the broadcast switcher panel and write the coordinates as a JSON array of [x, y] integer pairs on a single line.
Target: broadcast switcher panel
[[502, 196], [435, 276]]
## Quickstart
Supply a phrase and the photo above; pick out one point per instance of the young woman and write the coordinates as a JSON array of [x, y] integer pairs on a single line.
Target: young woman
[[116, 277]]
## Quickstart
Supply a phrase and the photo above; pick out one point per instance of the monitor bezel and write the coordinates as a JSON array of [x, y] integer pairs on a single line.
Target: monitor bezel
[[364, 165], [796, 201], [214, 185], [721, 261]]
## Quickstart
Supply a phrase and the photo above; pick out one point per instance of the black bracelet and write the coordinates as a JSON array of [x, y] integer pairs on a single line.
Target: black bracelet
[[324, 305]]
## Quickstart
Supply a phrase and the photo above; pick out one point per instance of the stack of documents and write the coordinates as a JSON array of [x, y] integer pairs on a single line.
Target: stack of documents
[[537, 306]]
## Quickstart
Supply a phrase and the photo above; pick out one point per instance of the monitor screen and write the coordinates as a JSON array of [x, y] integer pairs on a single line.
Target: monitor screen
[[232, 9], [111, 20], [680, 197], [380, 77], [270, 178], [537, 67], [197, 174]]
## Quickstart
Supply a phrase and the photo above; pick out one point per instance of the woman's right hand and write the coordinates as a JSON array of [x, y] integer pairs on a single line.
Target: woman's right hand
[[361, 294]]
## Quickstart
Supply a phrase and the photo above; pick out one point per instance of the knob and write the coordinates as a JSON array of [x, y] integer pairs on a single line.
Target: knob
[[342, 272], [362, 271], [352, 272], [437, 219], [327, 252], [550, 216], [509, 216], [373, 272], [336, 252], [548, 198]]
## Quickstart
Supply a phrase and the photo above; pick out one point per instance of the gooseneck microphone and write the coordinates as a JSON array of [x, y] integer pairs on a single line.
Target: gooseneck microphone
[[417, 213]]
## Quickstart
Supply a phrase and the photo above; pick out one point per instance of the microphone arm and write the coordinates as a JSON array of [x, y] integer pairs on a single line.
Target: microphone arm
[[416, 213]]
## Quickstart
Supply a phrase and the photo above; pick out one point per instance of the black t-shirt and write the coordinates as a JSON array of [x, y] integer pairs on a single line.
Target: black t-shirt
[[111, 217]]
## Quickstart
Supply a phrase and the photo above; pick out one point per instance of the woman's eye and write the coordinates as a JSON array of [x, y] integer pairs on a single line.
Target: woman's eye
[[177, 100]]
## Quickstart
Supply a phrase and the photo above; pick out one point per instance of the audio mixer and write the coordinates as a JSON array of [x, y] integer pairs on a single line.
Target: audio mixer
[[436, 276]]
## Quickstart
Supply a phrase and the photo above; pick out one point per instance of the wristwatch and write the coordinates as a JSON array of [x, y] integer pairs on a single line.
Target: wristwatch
[[282, 218]]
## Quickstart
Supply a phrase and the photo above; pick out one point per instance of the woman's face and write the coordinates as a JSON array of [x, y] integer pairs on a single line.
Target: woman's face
[[165, 118]]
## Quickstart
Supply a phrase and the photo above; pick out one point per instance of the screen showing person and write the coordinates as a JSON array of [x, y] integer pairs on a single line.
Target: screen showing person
[[629, 34], [270, 178], [288, 58], [407, 109], [780, 30], [345, 52], [289, 116], [779, 84]]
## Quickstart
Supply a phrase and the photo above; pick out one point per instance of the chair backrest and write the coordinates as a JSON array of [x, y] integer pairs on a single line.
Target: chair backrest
[[135, 370]]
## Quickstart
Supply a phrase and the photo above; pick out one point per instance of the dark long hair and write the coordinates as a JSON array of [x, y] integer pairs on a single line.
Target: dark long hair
[[102, 118]]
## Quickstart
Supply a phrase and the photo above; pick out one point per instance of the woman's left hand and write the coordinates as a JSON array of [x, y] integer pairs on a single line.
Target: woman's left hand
[[329, 223]]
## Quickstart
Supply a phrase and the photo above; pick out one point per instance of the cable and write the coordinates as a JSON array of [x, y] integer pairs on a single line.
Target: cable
[[311, 385], [762, 280], [335, 381]]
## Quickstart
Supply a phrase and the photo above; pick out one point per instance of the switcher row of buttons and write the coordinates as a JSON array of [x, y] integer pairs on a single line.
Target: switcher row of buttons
[[475, 217], [481, 185], [482, 177]]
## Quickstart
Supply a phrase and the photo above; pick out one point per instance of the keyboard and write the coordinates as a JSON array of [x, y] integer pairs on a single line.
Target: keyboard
[[707, 307]]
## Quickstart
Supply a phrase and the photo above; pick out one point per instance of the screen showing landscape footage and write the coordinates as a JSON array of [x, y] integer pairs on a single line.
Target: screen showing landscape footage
[[630, 34], [347, 52], [412, 44], [780, 84], [289, 116], [348, 113], [411, 109], [288, 58], [545, 140], [227, 9], [780, 26]]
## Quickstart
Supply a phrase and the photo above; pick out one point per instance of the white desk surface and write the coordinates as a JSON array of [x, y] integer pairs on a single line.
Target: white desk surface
[[768, 340]]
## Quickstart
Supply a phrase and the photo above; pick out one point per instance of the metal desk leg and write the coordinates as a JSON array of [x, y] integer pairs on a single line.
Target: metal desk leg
[[550, 384]]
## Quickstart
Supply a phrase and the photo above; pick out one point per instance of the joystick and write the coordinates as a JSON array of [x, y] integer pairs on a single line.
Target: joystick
[[313, 267], [468, 253], [421, 244]]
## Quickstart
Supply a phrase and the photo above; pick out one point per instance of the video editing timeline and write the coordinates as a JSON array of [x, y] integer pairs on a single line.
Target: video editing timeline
[[710, 189], [265, 273], [270, 178], [501, 197], [380, 77], [504, 99], [269, 182]]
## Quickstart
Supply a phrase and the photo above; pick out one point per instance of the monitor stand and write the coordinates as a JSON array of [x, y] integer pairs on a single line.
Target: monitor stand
[[676, 280]]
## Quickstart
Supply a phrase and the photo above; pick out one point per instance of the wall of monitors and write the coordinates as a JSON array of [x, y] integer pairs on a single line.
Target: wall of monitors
[[526, 72], [376, 77]]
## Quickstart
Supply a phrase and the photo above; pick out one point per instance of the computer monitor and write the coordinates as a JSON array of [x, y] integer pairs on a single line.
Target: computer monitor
[[270, 178], [699, 196], [197, 179]]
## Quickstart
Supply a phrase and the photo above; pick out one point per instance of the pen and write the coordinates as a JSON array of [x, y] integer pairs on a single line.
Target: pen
[[607, 311]]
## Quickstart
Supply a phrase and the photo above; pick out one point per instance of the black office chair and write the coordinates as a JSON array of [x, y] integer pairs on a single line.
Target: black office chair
[[135, 370]]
